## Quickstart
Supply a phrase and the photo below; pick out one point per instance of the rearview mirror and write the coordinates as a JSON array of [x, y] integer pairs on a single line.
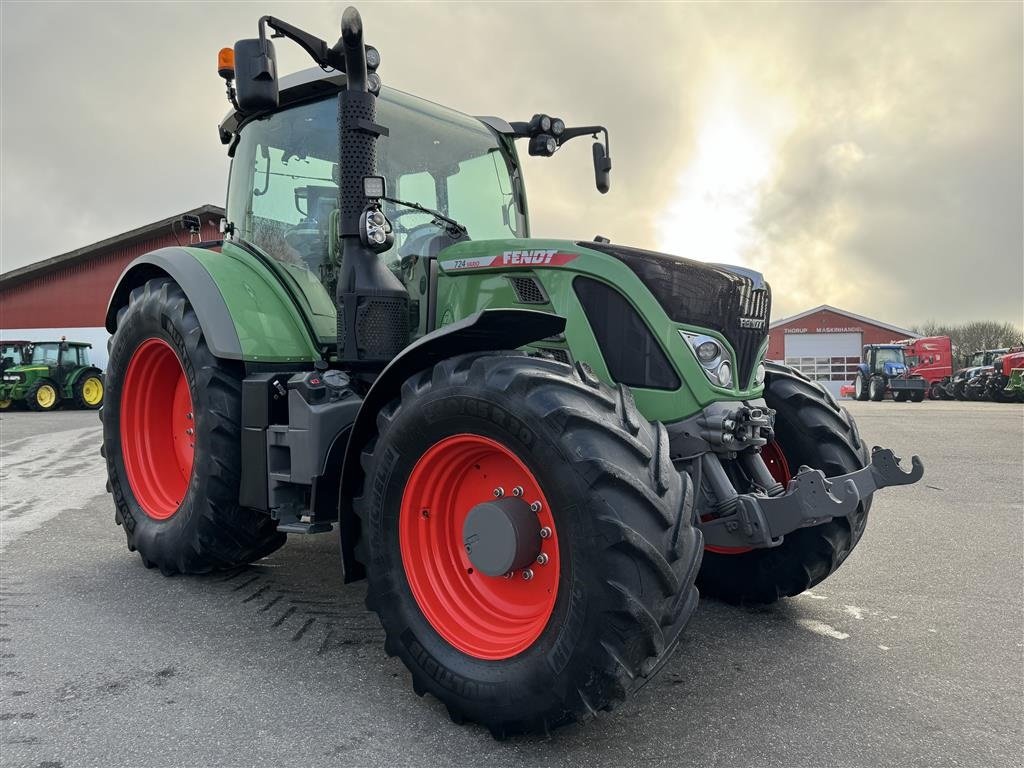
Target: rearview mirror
[[602, 168], [256, 75]]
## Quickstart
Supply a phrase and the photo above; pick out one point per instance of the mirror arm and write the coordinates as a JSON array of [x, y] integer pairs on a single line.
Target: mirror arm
[[318, 50]]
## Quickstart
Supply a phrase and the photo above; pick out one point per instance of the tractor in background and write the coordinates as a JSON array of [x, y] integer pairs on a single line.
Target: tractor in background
[[884, 371], [931, 358], [1002, 383], [971, 381], [48, 373], [534, 450]]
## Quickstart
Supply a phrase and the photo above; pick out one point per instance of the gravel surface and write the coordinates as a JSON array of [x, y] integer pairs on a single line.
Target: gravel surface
[[910, 655]]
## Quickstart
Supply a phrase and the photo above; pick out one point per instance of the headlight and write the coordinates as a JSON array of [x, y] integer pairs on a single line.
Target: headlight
[[714, 359], [708, 352], [725, 374], [759, 375]]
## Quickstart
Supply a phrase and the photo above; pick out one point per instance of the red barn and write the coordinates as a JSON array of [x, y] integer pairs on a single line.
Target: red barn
[[825, 343], [67, 295]]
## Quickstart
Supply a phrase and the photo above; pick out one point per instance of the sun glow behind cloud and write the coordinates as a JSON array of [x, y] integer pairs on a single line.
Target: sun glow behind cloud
[[711, 217]]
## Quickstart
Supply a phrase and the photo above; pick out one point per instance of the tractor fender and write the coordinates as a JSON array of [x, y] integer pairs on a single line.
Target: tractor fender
[[489, 329], [73, 378], [197, 283]]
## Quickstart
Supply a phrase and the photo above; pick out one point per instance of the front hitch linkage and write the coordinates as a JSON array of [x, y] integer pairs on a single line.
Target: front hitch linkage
[[810, 499]]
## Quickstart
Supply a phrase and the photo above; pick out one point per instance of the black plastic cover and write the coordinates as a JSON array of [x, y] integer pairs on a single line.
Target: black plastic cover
[[633, 356]]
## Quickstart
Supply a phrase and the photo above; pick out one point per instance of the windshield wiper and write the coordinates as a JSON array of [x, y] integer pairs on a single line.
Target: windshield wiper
[[453, 227]]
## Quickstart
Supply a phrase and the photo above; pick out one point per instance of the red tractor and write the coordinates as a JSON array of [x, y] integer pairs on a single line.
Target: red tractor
[[932, 359]]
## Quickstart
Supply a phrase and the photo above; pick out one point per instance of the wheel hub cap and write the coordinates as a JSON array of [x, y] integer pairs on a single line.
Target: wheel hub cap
[[501, 536]]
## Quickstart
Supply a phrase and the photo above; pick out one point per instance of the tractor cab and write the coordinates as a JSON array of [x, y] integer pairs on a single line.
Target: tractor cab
[[885, 359]]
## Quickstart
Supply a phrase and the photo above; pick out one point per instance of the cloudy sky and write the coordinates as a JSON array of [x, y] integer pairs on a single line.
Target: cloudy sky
[[863, 155]]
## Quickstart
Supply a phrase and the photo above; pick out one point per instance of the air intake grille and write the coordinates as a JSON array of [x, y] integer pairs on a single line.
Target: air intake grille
[[528, 290], [706, 296]]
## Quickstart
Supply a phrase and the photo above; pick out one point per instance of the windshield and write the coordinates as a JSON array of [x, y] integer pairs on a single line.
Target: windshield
[[45, 354], [883, 356], [978, 359], [283, 187], [11, 351]]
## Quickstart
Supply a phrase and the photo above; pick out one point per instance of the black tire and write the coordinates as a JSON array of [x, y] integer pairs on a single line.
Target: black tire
[[80, 399], [860, 388], [900, 397], [876, 389], [32, 396], [959, 390], [209, 531], [626, 588], [811, 429], [935, 391], [917, 396]]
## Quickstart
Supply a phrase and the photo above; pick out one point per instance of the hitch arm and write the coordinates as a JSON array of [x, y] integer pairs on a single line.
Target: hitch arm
[[810, 499]]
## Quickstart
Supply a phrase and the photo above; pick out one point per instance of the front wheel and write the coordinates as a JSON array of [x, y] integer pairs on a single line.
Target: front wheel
[[530, 548], [171, 438], [811, 429], [935, 391], [43, 396]]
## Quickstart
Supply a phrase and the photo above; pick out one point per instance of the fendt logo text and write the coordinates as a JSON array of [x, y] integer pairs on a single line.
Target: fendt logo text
[[528, 257], [752, 322]]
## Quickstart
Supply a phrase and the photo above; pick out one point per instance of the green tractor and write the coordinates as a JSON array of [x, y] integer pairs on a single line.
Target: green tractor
[[44, 373], [527, 445]]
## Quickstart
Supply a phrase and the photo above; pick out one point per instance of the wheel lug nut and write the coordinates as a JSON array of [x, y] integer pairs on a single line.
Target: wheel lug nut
[[499, 492], [542, 559], [527, 574], [189, 431], [545, 532], [536, 506], [517, 491], [189, 415]]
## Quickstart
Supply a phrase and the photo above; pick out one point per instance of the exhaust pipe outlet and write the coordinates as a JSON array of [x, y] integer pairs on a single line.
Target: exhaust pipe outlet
[[372, 303]]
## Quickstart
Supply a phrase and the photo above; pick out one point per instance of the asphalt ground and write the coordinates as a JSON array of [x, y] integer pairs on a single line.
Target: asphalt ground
[[910, 655]]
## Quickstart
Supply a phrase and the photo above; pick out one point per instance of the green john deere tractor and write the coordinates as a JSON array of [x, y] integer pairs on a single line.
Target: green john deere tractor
[[527, 445], [44, 373]]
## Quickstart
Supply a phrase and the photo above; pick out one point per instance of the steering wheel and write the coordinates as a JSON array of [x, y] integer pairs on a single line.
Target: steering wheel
[[306, 239]]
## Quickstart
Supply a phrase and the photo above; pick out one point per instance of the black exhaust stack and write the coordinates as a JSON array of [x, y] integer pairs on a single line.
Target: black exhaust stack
[[372, 303]]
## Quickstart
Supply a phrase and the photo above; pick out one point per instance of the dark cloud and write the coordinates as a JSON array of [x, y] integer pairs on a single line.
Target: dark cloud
[[892, 186]]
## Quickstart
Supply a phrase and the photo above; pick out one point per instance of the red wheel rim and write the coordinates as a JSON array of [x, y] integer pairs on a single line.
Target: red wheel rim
[[775, 459], [157, 425], [485, 617]]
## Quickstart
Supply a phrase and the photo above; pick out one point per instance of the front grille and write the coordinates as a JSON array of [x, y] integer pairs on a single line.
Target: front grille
[[706, 296]]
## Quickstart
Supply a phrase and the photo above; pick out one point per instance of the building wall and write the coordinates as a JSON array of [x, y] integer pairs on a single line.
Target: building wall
[[71, 300], [836, 341], [827, 321]]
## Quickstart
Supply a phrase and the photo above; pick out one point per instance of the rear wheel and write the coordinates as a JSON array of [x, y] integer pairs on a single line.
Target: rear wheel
[[959, 390], [43, 396], [917, 396], [499, 461], [809, 429], [89, 391], [876, 389], [860, 388], [171, 440], [900, 397], [935, 391]]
